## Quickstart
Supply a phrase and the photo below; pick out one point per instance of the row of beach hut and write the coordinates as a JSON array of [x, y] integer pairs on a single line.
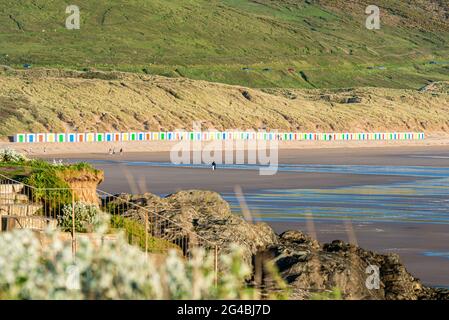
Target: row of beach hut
[[211, 135]]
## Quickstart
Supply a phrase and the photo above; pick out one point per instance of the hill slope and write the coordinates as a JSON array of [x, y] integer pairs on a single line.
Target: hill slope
[[256, 43], [52, 100]]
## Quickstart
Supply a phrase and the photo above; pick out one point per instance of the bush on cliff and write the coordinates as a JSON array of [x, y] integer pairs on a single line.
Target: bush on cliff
[[87, 217], [136, 235]]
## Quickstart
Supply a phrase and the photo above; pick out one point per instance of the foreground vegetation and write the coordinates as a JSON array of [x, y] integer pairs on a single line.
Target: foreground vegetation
[[264, 43], [112, 270]]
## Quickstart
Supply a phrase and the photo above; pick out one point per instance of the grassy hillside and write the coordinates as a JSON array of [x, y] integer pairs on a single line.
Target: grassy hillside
[[254, 43], [51, 100]]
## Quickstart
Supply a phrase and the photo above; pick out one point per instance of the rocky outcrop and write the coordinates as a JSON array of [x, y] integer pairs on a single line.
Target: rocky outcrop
[[309, 267], [203, 214], [306, 266], [440, 87]]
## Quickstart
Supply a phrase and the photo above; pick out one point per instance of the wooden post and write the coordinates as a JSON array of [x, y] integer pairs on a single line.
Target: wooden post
[[146, 233], [216, 265], [73, 226]]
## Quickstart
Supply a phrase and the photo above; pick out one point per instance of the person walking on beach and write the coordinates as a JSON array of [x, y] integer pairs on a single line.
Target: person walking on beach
[[214, 166], [121, 151]]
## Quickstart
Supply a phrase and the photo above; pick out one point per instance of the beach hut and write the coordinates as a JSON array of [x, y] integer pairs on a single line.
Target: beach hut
[[31, 138], [90, 137], [40, 137], [71, 137], [252, 135], [20, 138], [132, 136], [141, 136], [181, 135], [61, 137], [125, 136], [50, 137], [235, 135], [109, 137], [81, 137], [99, 137]]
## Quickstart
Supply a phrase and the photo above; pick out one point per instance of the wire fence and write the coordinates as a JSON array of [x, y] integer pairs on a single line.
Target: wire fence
[[26, 207]]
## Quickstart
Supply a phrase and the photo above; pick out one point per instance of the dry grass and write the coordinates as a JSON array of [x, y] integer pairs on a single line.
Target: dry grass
[[58, 101]]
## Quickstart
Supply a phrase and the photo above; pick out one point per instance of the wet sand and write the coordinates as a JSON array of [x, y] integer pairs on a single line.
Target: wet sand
[[120, 177], [405, 155], [160, 180]]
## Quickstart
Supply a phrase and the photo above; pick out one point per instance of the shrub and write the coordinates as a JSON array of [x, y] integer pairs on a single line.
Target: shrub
[[12, 156], [48, 188], [112, 270], [136, 235], [87, 217]]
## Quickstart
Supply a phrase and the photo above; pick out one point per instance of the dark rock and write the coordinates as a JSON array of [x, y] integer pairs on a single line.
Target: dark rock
[[354, 100], [309, 268], [247, 95], [203, 214]]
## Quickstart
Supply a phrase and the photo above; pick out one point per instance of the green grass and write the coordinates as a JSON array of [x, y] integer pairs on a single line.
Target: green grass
[[213, 40], [49, 183], [13, 171], [135, 233]]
